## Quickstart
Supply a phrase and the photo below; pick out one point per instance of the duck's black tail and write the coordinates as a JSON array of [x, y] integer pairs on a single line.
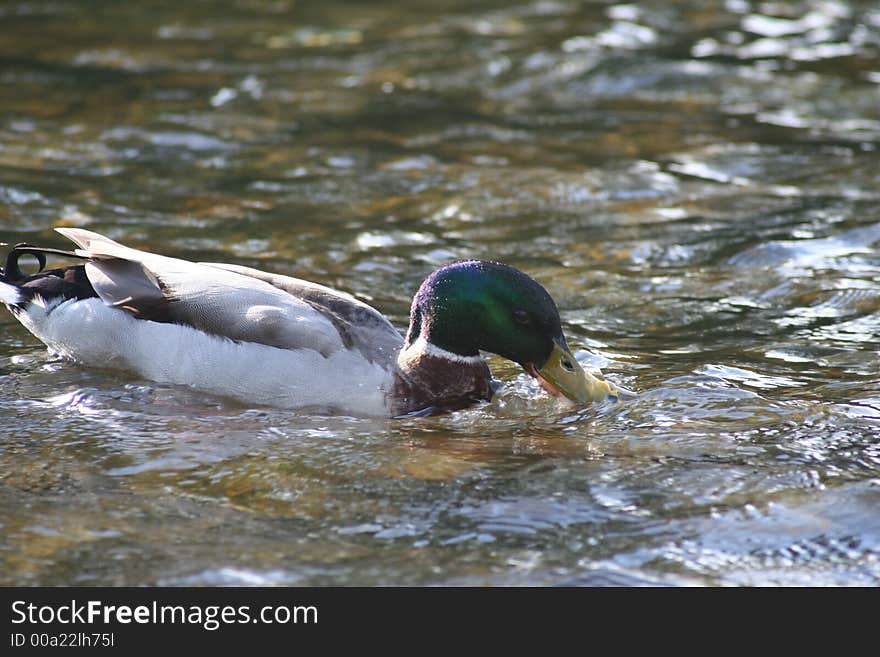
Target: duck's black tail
[[17, 287]]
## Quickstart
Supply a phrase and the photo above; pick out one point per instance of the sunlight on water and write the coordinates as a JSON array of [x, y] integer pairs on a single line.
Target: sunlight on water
[[696, 186]]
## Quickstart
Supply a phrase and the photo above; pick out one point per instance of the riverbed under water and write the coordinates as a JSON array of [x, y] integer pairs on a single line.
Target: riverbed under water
[[696, 183]]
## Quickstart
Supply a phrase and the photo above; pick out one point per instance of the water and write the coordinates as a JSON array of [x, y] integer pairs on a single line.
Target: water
[[696, 184]]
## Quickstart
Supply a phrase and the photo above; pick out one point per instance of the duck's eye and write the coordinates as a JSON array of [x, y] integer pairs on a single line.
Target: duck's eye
[[521, 316], [567, 365]]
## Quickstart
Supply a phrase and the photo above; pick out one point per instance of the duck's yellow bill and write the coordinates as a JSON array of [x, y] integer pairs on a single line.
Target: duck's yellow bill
[[562, 375]]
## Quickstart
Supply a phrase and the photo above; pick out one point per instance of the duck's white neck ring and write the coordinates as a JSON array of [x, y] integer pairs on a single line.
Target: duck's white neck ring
[[423, 347]]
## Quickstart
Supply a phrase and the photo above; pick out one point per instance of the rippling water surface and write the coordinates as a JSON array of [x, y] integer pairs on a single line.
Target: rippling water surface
[[696, 183]]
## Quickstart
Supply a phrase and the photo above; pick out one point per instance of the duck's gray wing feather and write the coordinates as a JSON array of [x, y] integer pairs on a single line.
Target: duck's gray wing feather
[[360, 326]]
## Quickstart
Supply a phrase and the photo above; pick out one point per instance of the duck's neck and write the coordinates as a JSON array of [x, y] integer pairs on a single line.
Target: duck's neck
[[430, 377]]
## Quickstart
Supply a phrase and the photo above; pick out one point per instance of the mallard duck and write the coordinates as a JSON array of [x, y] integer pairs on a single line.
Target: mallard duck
[[274, 340]]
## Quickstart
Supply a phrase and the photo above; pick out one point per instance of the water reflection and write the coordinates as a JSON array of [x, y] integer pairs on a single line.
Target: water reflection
[[695, 183]]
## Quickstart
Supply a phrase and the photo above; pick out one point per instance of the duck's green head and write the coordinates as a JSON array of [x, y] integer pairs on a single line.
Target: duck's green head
[[474, 306]]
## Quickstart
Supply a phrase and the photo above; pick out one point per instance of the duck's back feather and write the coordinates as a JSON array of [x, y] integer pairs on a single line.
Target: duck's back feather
[[239, 303]]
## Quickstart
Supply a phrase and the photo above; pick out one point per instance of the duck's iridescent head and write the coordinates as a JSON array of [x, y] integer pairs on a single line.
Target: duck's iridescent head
[[474, 306]]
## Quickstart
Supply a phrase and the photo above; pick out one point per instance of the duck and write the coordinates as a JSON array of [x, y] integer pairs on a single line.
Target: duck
[[268, 339]]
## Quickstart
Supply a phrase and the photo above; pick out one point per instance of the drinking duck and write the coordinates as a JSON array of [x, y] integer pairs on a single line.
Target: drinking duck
[[269, 339]]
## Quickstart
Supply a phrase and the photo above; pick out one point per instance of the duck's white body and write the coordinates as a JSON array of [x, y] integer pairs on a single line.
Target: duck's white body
[[225, 330], [94, 334]]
